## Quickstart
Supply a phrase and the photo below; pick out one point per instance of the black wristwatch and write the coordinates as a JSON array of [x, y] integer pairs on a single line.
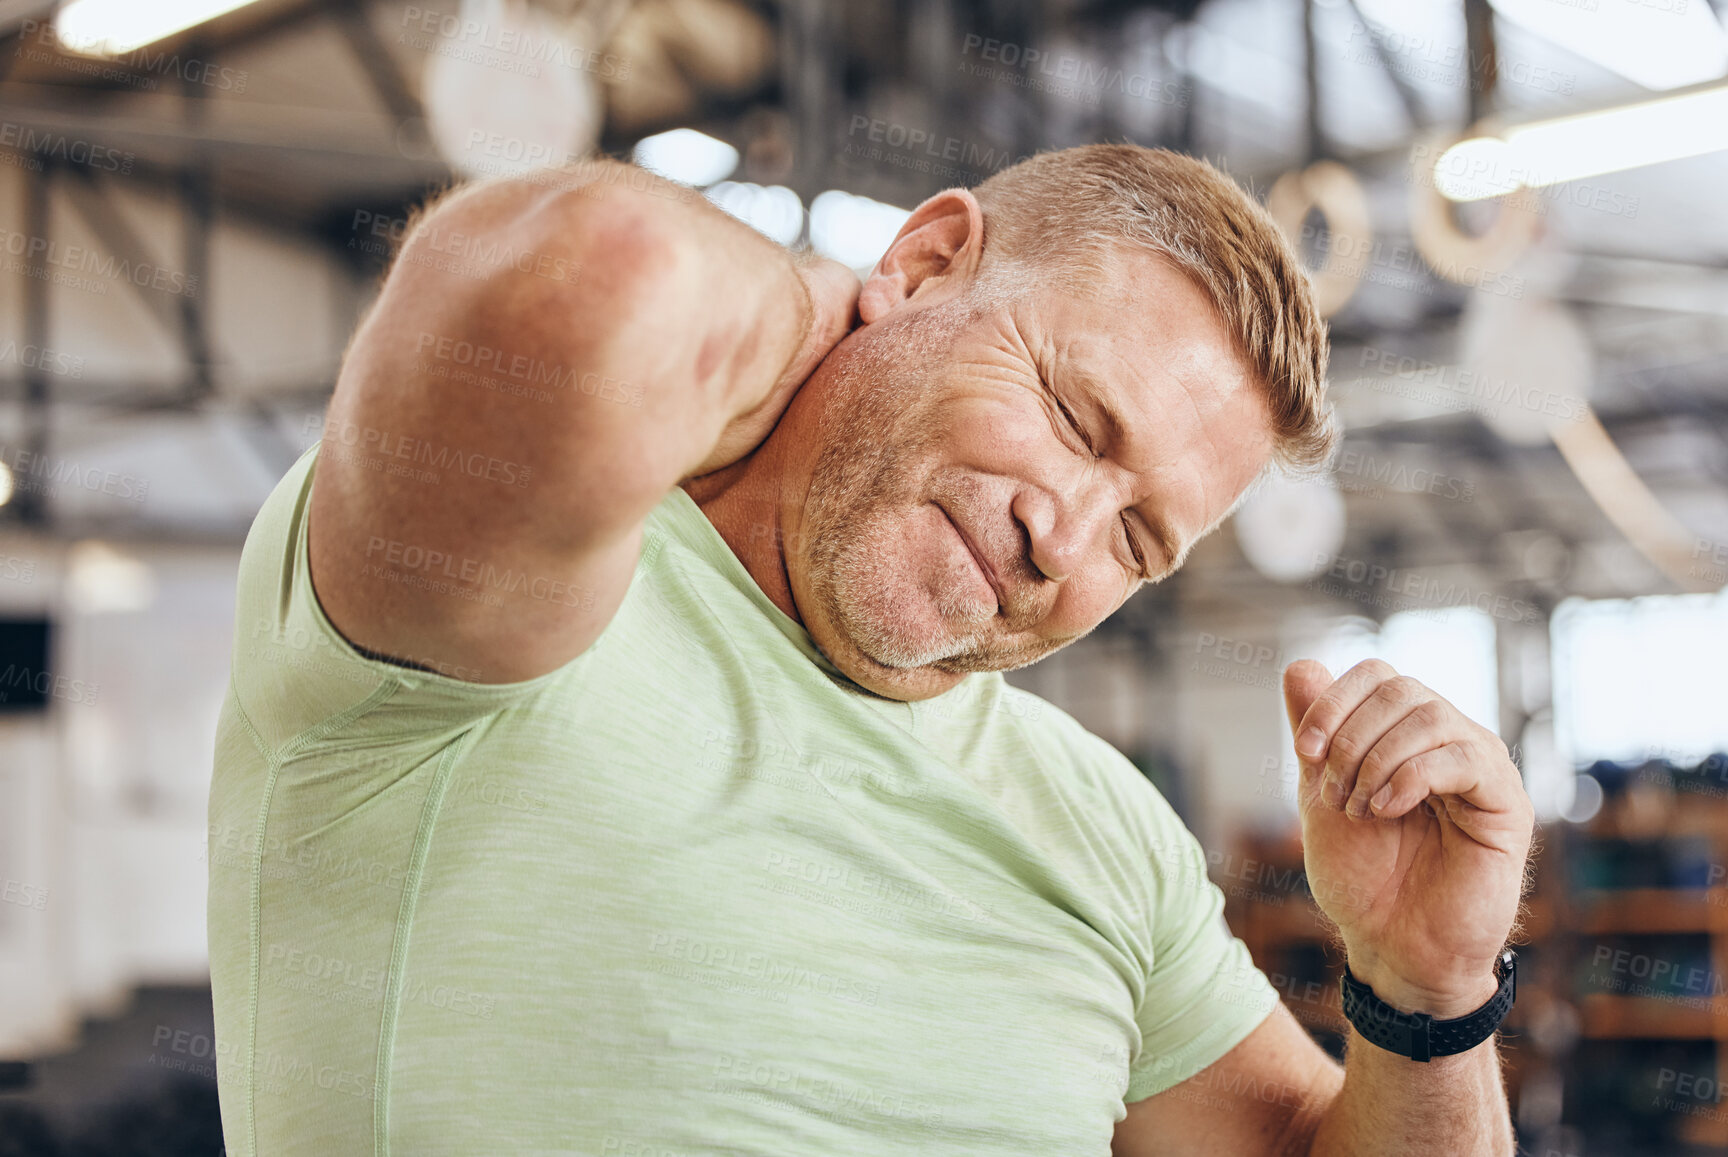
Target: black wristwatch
[[1418, 1035]]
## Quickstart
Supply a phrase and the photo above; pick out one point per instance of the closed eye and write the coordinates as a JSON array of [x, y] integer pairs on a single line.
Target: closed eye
[[1073, 424], [1134, 544], [1080, 433]]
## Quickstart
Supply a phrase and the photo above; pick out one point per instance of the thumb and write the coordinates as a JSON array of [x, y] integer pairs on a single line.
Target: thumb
[[1304, 681]]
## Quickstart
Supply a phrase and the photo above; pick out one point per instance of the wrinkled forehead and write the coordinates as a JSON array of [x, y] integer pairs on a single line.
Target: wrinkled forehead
[[1127, 307]]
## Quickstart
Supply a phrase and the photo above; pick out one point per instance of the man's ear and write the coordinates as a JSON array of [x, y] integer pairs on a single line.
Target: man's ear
[[940, 244]]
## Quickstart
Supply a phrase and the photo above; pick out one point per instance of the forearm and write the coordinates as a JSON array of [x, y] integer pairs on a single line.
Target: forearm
[[595, 339], [707, 315], [1416, 836], [720, 312], [1391, 1106], [671, 320]]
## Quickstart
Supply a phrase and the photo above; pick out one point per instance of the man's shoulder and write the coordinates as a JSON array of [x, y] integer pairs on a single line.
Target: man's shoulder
[[1049, 727], [1050, 742]]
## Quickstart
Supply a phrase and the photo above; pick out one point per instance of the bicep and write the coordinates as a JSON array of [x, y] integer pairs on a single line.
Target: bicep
[[1263, 1098]]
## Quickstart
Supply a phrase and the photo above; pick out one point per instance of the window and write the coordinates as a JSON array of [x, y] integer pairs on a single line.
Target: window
[[1451, 650], [1638, 679]]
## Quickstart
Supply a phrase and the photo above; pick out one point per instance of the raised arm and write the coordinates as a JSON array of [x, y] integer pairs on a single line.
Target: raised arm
[[546, 360], [1416, 838]]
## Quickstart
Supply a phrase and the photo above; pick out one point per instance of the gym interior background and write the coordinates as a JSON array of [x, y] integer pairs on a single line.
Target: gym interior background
[[1514, 215]]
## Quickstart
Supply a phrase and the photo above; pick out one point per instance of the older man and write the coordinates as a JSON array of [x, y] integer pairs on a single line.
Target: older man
[[617, 759]]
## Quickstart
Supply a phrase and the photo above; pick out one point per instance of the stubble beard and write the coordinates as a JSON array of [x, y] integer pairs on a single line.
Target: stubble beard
[[869, 476]]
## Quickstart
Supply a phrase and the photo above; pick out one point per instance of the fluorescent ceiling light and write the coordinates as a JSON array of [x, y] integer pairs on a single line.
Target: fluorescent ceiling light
[[114, 27], [1668, 128], [1660, 44], [686, 156], [6, 486], [853, 230]]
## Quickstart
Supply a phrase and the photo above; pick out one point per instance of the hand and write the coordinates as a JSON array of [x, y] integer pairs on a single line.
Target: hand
[[833, 291], [1415, 832]]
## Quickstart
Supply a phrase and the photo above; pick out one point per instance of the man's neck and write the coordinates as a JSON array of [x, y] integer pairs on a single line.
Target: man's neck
[[742, 502], [745, 502]]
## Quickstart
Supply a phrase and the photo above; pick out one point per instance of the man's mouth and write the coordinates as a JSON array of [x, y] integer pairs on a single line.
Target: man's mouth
[[983, 563]]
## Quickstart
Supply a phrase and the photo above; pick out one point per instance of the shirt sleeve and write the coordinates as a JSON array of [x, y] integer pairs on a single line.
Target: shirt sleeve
[[293, 672], [1204, 993]]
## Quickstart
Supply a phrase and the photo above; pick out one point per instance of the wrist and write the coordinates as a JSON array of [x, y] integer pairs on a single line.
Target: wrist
[[1449, 1001], [826, 294]]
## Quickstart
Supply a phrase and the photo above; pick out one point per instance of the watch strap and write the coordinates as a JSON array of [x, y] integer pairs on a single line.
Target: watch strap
[[1418, 1035]]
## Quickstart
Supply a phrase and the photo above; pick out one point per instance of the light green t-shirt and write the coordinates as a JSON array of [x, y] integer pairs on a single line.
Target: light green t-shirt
[[691, 893]]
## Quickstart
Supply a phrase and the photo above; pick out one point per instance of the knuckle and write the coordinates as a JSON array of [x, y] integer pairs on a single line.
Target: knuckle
[[1380, 669], [1348, 745], [1406, 690], [1493, 752], [1326, 714], [1387, 694], [1430, 713]]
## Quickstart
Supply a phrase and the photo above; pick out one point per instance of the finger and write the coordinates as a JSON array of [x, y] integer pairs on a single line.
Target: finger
[[1304, 682], [1327, 713], [833, 293], [1460, 768], [1429, 724], [1379, 713]]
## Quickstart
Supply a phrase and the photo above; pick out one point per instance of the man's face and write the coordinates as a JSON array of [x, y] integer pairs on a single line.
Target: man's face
[[988, 482]]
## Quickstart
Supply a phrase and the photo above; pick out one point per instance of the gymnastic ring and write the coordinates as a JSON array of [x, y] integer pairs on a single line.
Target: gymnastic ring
[[1334, 190], [1461, 257]]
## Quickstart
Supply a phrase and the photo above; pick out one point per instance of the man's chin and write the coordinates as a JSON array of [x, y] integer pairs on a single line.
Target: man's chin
[[886, 662], [904, 628], [995, 661], [892, 679], [907, 684]]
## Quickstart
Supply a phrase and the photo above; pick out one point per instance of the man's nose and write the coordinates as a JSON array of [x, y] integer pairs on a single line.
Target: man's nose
[[1063, 524]]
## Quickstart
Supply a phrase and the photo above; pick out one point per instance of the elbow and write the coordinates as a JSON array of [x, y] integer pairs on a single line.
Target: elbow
[[600, 236], [591, 267], [619, 238]]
